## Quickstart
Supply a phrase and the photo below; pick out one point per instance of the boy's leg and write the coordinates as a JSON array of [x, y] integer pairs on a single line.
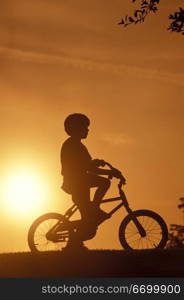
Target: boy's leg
[[81, 198], [102, 185]]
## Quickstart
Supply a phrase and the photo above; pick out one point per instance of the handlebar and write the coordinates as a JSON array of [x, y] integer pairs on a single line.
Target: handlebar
[[121, 180]]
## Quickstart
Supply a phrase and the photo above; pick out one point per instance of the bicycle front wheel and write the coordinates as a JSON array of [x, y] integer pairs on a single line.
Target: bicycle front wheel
[[39, 238], [156, 231]]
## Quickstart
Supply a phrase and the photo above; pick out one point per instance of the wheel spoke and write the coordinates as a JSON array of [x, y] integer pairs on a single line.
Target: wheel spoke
[[130, 235]]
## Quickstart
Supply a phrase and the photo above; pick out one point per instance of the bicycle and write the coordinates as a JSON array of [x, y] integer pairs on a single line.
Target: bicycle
[[140, 229]]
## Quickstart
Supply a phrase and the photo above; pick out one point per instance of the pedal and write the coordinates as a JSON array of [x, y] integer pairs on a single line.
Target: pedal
[[103, 217], [51, 237]]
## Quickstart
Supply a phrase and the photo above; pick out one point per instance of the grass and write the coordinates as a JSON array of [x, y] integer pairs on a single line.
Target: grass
[[93, 263]]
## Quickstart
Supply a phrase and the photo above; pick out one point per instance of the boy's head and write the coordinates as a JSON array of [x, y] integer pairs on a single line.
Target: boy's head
[[76, 125]]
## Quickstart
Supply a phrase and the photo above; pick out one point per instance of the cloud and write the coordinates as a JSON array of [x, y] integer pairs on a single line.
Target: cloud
[[118, 139], [91, 65]]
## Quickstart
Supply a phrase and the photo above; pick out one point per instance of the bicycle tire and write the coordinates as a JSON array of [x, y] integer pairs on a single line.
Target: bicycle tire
[[49, 245], [125, 234]]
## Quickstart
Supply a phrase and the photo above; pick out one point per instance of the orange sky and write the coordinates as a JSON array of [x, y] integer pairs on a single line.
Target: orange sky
[[59, 57]]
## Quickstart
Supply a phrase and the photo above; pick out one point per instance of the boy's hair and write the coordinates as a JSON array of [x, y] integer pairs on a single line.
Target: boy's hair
[[75, 122]]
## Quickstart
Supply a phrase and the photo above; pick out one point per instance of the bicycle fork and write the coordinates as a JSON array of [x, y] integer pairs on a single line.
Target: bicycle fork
[[136, 222], [138, 225]]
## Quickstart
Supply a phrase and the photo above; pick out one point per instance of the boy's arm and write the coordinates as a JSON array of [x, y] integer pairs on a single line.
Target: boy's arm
[[94, 168], [100, 171], [95, 164], [113, 172]]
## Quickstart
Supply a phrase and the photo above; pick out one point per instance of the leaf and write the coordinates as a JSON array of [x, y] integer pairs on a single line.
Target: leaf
[[121, 22], [171, 17], [155, 9]]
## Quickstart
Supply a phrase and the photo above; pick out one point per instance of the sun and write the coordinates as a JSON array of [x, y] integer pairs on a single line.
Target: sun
[[23, 192]]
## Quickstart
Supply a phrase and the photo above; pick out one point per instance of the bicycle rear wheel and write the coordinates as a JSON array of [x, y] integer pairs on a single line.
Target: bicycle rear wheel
[[43, 235], [154, 226]]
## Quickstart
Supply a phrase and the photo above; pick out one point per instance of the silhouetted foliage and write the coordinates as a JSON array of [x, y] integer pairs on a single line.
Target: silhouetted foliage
[[149, 6], [177, 23], [182, 203]]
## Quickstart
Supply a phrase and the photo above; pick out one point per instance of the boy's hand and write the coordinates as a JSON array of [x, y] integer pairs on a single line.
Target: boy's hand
[[116, 173], [98, 162]]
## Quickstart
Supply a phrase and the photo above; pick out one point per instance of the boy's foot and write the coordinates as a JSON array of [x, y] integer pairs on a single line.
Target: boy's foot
[[102, 216], [75, 247]]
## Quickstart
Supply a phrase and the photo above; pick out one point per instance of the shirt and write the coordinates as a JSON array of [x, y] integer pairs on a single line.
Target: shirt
[[75, 163]]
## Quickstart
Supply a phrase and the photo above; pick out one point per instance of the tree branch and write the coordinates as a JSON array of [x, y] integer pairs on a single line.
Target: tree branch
[[148, 6]]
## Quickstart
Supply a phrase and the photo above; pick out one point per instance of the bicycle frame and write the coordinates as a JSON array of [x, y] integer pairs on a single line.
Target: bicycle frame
[[124, 203], [74, 207]]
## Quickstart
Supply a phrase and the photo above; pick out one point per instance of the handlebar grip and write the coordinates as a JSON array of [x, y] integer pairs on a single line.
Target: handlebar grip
[[122, 181], [109, 165]]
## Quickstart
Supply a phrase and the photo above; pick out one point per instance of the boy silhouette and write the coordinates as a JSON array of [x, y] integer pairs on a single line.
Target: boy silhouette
[[80, 173]]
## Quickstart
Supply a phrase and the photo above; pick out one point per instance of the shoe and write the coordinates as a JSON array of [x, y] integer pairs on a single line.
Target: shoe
[[102, 216], [75, 247]]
